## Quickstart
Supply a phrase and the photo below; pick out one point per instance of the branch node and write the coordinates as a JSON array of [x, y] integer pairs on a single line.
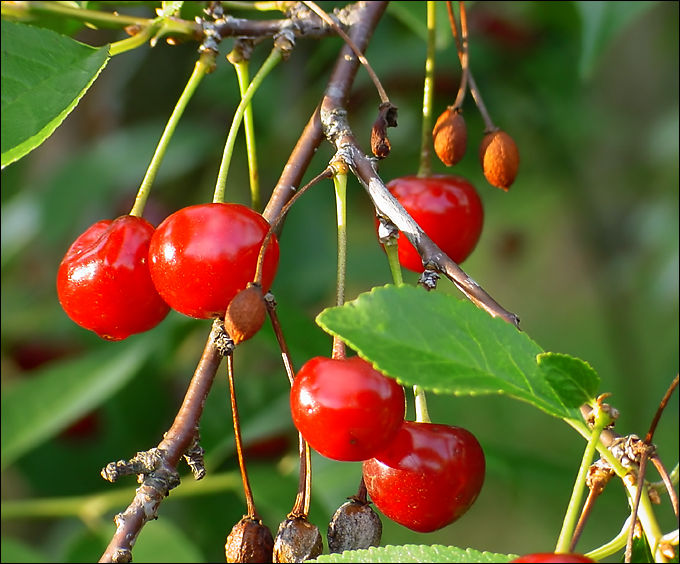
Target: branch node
[[194, 458], [284, 42], [142, 463], [428, 279], [221, 339]]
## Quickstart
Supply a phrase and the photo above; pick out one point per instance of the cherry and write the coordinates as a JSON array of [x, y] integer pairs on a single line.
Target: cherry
[[201, 256], [427, 477], [103, 281], [447, 208], [552, 557], [344, 408]]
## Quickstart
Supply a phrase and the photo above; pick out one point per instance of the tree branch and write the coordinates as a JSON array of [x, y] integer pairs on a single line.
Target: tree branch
[[157, 467]]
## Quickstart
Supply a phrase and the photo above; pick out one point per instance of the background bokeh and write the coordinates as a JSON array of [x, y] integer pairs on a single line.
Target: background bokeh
[[584, 248]]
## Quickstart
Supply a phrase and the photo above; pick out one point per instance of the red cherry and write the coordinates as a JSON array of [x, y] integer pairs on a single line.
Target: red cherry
[[201, 256], [103, 282], [344, 408], [552, 557], [427, 477], [447, 208]]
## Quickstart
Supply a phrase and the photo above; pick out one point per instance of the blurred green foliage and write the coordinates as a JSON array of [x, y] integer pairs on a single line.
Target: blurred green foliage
[[584, 248]]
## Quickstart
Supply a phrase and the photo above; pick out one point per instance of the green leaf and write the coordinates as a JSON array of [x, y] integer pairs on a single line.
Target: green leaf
[[415, 553], [35, 409], [44, 75], [574, 379], [448, 345], [602, 22]]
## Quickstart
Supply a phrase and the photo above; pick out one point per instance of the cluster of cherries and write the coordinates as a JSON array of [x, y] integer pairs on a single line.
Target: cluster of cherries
[[421, 475], [121, 277]]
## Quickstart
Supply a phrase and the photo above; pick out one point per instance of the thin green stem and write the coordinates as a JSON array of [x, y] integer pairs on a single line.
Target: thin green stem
[[392, 252], [204, 65], [340, 183], [270, 62], [243, 75], [422, 414], [602, 419], [424, 168], [137, 40]]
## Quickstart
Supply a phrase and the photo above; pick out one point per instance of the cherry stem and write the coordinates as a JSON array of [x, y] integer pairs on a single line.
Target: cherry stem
[[204, 65], [250, 502], [602, 419], [362, 492], [476, 94], [464, 59], [239, 57], [422, 415], [313, 6], [303, 497], [595, 491], [667, 482], [257, 279], [340, 185], [274, 57], [425, 168]]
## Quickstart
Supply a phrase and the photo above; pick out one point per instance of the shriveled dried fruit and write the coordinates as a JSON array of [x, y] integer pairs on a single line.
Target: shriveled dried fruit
[[354, 526], [245, 314], [297, 540], [499, 156], [450, 136], [249, 541]]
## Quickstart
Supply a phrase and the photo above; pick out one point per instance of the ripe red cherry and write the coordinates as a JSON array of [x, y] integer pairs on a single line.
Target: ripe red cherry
[[201, 256], [344, 408], [552, 557], [103, 281], [447, 208], [427, 477]]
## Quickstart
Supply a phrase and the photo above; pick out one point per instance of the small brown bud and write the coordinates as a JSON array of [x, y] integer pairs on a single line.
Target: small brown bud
[[450, 136], [387, 117], [249, 541], [245, 314], [297, 540], [354, 526], [500, 159]]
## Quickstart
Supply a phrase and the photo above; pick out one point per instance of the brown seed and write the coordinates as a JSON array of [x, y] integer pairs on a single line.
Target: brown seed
[[249, 541], [245, 314], [450, 136], [354, 526], [297, 540], [499, 156]]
